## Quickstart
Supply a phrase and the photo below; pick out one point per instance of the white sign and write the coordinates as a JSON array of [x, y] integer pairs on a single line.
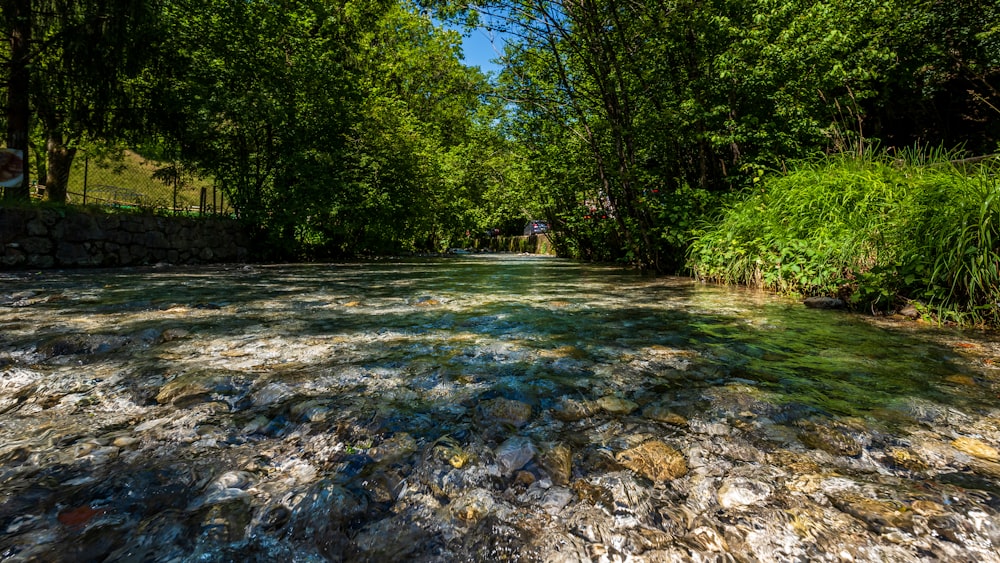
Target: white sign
[[11, 168]]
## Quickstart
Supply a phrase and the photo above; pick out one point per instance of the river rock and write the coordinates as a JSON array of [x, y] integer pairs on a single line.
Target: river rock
[[976, 448], [514, 454], [961, 380], [172, 334], [504, 411], [557, 461], [226, 520], [394, 448], [616, 405], [472, 506], [822, 302], [555, 499], [877, 514], [196, 386], [654, 460], [661, 413], [16, 386], [426, 301], [125, 441], [76, 344], [903, 458], [834, 441], [571, 410], [739, 491], [311, 410]]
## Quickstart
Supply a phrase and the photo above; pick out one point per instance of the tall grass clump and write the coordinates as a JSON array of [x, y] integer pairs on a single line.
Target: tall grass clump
[[879, 231]]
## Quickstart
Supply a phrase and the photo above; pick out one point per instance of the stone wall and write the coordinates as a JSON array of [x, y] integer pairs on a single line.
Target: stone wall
[[36, 237]]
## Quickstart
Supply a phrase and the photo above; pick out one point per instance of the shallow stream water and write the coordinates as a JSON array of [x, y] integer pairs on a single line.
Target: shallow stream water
[[481, 408]]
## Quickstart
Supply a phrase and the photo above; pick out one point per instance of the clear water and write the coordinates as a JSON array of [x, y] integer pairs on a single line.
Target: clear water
[[365, 412]]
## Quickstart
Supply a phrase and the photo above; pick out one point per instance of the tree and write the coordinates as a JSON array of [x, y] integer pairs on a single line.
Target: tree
[[69, 68], [17, 25], [332, 126], [675, 104]]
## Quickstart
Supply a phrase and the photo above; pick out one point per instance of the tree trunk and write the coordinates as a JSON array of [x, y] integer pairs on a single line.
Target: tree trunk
[[60, 159], [18, 25]]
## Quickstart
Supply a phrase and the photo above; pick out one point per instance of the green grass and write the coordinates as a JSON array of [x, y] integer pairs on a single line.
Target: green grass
[[130, 181], [880, 231]]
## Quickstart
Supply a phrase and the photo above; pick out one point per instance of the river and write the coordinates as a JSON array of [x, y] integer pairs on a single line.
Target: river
[[481, 408]]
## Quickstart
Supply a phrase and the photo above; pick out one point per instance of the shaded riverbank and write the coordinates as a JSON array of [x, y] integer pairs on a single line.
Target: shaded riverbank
[[482, 408]]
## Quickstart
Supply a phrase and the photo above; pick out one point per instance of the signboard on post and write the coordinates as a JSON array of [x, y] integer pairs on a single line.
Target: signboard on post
[[11, 168]]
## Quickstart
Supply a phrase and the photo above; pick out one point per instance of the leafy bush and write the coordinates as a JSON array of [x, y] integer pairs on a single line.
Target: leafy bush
[[879, 231]]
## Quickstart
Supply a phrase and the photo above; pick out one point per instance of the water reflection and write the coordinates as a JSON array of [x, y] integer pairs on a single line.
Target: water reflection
[[481, 408]]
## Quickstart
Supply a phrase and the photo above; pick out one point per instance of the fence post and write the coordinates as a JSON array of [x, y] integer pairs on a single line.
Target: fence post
[[202, 203], [175, 191], [215, 210], [86, 174]]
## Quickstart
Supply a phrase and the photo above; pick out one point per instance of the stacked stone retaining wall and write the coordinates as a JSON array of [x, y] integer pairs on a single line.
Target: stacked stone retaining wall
[[67, 238]]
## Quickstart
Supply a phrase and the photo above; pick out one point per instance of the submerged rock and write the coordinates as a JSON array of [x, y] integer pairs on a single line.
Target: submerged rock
[[472, 506], [878, 515], [616, 405], [557, 461], [821, 302], [394, 448], [175, 333], [739, 491], [830, 439], [654, 460], [571, 410], [514, 454], [79, 344], [504, 411], [661, 413], [976, 448], [311, 410], [198, 386], [902, 458]]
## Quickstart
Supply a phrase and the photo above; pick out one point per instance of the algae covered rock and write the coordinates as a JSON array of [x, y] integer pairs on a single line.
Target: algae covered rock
[[571, 410], [654, 460], [976, 448], [616, 405], [557, 461], [831, 439], [504, 411]]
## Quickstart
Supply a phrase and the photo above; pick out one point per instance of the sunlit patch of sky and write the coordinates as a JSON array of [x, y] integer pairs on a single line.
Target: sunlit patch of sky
[[482, 48]]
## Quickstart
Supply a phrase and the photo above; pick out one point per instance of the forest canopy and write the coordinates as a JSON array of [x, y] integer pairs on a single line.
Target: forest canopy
[[350, 127]]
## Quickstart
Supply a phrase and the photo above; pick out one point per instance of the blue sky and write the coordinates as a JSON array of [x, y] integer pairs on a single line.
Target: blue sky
[[479, 51]]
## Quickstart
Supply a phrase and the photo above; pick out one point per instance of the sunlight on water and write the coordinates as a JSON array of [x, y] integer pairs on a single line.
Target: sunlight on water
[[481, 408]]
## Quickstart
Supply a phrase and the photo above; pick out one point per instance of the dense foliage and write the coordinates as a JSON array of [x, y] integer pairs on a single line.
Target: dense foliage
[[337, 127], [653, 111], [880, 232]]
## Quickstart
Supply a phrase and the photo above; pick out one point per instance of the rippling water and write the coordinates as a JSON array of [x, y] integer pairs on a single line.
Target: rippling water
[[479, 409]]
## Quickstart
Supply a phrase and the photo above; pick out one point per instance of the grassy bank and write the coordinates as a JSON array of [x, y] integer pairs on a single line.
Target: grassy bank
[[880, 231], [127, 179]]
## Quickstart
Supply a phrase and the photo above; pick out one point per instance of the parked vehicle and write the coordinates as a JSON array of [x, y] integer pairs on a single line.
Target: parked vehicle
[[536, 227]]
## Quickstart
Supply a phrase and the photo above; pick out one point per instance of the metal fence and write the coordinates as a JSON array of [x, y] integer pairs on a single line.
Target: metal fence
[[128, 181]]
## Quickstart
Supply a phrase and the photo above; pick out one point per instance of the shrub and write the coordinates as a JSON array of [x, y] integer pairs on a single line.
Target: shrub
[[877, 230]]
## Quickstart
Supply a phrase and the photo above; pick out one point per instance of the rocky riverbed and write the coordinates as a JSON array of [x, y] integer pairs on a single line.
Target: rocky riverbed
[[487, 408]]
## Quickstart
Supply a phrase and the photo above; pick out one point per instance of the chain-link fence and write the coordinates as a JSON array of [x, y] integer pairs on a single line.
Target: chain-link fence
[[126, 180]]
